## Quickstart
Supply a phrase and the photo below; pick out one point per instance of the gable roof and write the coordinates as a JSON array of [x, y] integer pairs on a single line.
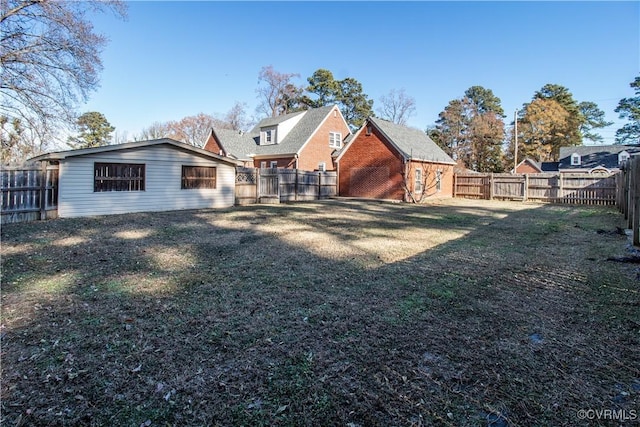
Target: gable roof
[[245, 146], [412, 143], [61, 155], [540, 166], [592, 156]]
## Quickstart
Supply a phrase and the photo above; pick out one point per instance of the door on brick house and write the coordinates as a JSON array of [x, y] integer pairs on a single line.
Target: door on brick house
[[371, 182]]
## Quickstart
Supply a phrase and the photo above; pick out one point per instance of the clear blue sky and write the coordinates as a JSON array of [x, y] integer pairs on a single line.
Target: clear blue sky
[[169, 60]]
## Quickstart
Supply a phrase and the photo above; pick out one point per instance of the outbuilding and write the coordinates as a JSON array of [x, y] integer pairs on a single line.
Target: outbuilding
[[385, 160], [141, 176]]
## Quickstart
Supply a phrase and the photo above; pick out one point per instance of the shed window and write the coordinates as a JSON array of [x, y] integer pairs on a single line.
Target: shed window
[[198, 177], [118, 177], [418, 183], [335, 139], [575, 159]]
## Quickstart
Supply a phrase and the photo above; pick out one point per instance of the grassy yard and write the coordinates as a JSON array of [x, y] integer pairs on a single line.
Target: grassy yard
[[457, 313]]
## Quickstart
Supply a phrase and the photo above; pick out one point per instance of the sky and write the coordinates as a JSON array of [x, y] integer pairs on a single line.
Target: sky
[[169, 60]]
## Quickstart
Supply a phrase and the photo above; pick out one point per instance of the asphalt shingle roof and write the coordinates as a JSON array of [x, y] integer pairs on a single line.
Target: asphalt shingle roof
[[414, 143], [592, 156], [242, 145]]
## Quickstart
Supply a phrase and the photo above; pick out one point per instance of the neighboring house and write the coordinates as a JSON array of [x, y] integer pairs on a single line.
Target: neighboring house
[[384, 160], [529, 165], [301, 140], [142, 176], [595, 158]]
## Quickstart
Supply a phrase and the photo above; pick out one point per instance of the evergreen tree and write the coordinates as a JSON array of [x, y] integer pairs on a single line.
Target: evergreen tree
[[94, 131], [629, 108]]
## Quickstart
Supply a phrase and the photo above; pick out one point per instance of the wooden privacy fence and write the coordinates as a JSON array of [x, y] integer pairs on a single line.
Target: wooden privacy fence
[[254, 185], [582, 189], [628, 196], [29, 193]]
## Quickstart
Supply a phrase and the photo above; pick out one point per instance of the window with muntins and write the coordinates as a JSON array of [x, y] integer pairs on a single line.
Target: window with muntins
[[273, 164], [118, 177], [418, 183], [335, 139], [195, 177], [575, 159]]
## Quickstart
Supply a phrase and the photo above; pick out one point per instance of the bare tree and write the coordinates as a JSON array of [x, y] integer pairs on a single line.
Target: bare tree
[[397, 106], [157, 130], [50, 60], [196, 129], [276, 92], [236, 117], [421, 181]]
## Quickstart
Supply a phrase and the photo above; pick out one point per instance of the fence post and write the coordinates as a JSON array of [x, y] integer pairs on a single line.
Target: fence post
[[491, 186], [636, 202], [295, 186], [560, 188], [633, 183], [455, 184], [525, 196], [319, 184], [43, 190]]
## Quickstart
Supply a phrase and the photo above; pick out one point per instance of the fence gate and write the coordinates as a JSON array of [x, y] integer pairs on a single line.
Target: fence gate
[[269, 186]]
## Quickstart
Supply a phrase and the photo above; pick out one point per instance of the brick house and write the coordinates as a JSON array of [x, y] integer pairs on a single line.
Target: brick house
[[595, 158], [529, 165], [302, 140], [384, 160]]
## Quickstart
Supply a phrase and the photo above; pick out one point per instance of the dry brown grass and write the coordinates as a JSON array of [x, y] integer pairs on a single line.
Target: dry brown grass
[[331, 313]]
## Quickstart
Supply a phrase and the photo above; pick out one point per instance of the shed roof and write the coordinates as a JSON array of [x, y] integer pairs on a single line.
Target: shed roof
[[61, 155], [413, 143]]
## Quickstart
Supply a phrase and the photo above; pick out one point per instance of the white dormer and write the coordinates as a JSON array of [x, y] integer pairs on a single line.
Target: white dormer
[[575, 159], [623, 156], [275, 133], [268, 135]]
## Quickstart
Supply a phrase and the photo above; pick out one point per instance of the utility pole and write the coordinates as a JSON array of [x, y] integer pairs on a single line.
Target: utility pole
[[515, 145]]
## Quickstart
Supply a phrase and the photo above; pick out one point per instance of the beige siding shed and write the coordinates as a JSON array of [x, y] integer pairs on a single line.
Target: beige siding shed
[[163, 160]]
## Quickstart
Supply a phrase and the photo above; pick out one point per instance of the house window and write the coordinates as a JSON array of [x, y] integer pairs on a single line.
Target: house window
[[268, 137], [575, 159], [418, 179], [322, 166], [623, 157], [273, 164], [438, 180], [263, 165], [118, 177], [335, 139], [198, 177]]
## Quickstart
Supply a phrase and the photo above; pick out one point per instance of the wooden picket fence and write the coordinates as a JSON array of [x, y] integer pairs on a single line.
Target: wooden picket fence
[[573, 188], [255, 185], [28, 193], [628, 196]]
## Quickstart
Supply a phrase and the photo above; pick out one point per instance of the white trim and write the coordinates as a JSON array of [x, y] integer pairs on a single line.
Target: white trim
[[273, 164], [61, 155], [624, 155], [576, 159], [322, 166], [335, 137]]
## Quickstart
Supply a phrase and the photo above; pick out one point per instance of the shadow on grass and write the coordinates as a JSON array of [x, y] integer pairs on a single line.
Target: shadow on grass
[[319, 314]]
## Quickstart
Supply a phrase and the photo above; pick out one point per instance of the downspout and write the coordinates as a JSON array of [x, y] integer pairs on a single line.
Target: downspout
[[296, 160]]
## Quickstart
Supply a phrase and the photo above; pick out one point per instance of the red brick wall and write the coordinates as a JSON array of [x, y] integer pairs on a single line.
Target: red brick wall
[[283, 162], [317, 149], [428, 178], [212, 145], [371, 168], [526, 168]]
